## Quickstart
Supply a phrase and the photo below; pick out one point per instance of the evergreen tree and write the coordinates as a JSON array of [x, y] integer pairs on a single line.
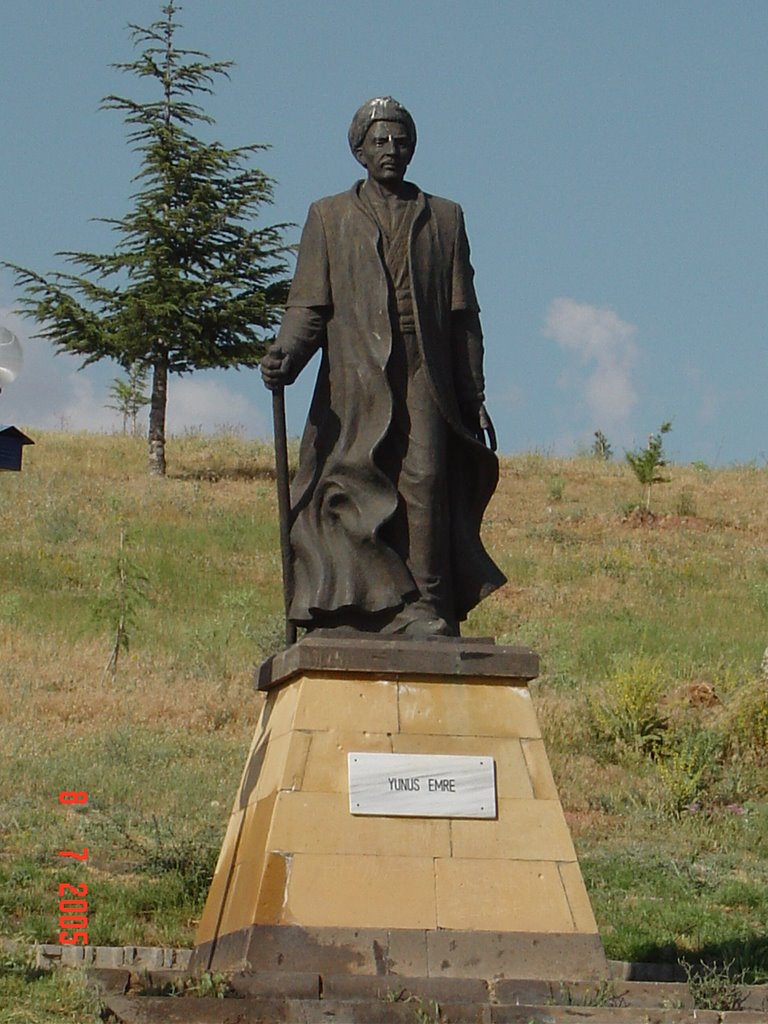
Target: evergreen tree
[[129, 396], [190, 285], [646, 462]]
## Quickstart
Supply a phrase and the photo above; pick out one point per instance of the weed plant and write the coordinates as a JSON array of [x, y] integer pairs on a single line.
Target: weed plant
[[715, 986], [651, 696]]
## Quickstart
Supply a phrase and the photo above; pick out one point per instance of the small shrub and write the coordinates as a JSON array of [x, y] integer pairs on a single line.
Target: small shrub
[[745, 719], [685, 766], [556, 489], [209, 985], [715, 986], [617, 561], [686, 503], [157, 849], [625, 710], [601, 447]]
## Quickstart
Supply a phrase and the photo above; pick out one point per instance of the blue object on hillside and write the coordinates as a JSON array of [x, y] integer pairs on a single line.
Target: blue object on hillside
[[12, 442]]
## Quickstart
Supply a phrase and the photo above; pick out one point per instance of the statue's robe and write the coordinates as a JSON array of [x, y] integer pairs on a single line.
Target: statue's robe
[[342, 497]]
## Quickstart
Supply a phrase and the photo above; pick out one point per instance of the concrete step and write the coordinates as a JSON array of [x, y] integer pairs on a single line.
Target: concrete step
[[284, 997], [275, 1010]]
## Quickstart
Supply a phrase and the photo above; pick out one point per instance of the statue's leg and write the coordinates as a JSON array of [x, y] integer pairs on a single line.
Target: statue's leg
[[414, 456]]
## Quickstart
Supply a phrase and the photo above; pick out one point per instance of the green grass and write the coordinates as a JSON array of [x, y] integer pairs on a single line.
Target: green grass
[[30, 996], [671, 830], [695, 891]]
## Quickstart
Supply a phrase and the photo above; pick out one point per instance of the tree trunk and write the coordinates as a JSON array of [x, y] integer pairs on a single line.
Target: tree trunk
[[157, 406]]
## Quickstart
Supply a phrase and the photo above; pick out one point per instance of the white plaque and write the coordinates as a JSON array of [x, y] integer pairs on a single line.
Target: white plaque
[[422, 785]]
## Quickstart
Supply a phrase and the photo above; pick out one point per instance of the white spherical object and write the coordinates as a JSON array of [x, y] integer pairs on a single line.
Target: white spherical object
[[11, 356]]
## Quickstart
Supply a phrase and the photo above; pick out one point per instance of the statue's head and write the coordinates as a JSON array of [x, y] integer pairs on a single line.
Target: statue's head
[[382, 137]]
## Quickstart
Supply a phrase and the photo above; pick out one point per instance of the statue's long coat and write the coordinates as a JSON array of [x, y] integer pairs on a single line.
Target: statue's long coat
[[340, 497]]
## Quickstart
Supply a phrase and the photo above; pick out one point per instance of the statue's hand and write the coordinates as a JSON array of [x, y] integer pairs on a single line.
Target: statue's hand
[[277, 369], [487, 427], [478, 421]]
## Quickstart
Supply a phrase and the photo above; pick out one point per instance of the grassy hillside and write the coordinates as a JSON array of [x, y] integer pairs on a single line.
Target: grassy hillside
[[652, 696]]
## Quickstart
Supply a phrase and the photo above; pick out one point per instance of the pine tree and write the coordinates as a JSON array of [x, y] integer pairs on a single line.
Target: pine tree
[[646, 462], [129, 396], [190, 285]]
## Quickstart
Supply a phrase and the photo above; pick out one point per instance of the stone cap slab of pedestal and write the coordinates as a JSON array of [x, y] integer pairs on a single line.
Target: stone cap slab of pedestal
[[466, 659]]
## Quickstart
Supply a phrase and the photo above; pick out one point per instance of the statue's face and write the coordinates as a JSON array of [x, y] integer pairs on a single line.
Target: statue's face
[[386, 151]]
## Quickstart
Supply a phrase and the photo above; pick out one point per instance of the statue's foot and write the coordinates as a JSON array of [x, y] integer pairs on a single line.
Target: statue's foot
[[423, 628]]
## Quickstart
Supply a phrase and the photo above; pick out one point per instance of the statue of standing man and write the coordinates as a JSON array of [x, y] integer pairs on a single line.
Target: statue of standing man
[[394, 470]]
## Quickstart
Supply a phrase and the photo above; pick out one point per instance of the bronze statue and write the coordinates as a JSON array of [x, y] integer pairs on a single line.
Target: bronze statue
[[394, 473]]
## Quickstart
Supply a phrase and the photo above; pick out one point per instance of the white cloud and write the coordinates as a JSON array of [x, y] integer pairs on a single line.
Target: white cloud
[[52, 393], [605, 345], [201, 401]]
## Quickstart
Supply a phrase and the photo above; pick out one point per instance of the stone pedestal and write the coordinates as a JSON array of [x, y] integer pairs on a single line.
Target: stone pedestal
[[302, 884]]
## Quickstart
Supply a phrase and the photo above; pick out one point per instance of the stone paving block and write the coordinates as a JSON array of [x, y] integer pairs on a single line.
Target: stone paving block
[[353, 1012], [631, 971], [396, 988], [406, 953], [522, 991], [47, 955], [147, 958], [477, 954], [325, 950], [598, 1015], [669, 995], [109, 956], [109, 980], [72, 956], [287, 984], [162, 980], [181, 958], [160, 1010], [756, 997]]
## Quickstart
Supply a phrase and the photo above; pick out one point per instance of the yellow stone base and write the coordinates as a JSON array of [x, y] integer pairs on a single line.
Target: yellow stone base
[[293, 855]]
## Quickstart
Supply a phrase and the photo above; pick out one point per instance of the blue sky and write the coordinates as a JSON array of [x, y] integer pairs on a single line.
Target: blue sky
[[611, 158]]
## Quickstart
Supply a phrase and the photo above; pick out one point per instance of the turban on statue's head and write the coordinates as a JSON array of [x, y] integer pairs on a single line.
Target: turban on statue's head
[[381, 108]]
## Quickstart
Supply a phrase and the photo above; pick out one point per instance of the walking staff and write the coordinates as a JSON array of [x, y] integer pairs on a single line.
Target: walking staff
[[283, 504]]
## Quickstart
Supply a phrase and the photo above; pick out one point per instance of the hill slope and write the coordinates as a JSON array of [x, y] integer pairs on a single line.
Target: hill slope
[[652, 698]]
